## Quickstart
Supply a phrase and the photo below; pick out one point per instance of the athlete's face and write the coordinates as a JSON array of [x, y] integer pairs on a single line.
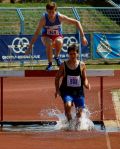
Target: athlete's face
[[51, 13], [73, 55]]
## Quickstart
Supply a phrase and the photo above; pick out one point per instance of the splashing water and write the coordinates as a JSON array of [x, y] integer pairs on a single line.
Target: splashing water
[[82, 123]]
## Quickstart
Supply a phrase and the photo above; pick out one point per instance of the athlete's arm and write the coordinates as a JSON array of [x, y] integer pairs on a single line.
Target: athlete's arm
[[59, 74], [39, 27], [84, 76], [68, 20]]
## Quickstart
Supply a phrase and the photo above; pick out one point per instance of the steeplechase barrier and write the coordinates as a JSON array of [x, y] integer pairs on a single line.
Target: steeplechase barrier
[[43, 73]]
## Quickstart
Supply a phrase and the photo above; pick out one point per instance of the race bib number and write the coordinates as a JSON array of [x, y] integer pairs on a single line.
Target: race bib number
[[52, 32], [73, 81]]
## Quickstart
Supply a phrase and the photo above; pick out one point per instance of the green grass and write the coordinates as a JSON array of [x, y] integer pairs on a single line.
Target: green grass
[[31, 17], [114, 67], [91, 19], [42, 4], [41, 66]]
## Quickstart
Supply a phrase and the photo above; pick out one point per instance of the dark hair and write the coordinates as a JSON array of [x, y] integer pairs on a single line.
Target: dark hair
[[51, 6], [73, 47]]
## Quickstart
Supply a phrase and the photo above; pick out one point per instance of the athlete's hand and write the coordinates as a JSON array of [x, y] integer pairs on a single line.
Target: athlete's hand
[[29, 49], [87, 84], [89, 87], [27, 52], [84, 41], [57, 93]]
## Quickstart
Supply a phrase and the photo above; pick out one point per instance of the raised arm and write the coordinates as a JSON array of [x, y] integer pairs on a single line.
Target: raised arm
[[75, 22]]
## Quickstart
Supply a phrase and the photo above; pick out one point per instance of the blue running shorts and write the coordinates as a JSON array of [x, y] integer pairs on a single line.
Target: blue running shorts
[[79, 102]]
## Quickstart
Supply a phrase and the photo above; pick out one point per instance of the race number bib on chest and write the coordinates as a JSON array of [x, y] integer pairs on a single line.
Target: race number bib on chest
[[73, 81], [52, 32]]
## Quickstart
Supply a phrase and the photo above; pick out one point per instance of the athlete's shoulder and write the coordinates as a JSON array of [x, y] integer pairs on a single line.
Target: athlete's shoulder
[[60, 72], [42, 21], [58, 13], [62, 66], [61, 16], [82, 65], [45, 14]]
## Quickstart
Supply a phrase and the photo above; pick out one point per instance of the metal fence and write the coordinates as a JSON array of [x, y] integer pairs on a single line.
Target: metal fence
[[16, 21], [115, 3], [9, 21], [99, 19], [93, 19]]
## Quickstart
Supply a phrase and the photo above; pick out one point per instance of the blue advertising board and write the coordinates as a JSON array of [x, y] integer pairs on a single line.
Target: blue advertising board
[[12, 47], [106, 46]]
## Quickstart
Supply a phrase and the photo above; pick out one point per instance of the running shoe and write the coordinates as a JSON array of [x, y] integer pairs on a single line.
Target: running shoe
[[58, 61], [49, 67]]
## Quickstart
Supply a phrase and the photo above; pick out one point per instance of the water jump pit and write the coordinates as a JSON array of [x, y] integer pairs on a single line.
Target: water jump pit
[[44, 126], [61, 125]]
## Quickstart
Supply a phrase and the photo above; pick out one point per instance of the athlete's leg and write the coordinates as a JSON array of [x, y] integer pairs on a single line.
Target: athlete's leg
[[68, 106], [79, 104], [49, 46], [48, 43], [78, 112], [58, 43], [67, 99]]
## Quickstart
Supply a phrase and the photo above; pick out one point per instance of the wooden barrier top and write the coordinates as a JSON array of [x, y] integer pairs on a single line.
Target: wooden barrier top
[[52, 73]]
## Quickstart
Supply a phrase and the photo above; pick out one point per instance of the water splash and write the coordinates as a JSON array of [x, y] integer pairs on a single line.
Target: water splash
[[82, 123]]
